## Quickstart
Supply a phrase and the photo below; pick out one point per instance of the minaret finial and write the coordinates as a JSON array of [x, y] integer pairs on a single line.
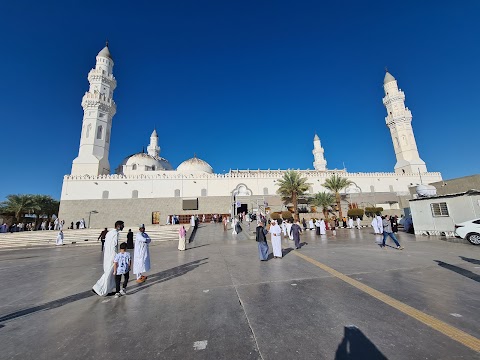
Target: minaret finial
[[194, 155], [386, 69], [106, 43]]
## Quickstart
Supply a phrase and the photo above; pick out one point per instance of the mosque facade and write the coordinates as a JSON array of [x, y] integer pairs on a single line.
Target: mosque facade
[[146, 188]]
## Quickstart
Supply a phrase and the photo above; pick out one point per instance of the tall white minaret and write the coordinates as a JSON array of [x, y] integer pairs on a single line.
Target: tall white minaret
[[98, 111], [399, 121], [153, 149], [319, 162]]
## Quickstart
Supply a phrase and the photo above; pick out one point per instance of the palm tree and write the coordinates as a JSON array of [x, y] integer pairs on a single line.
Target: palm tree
[[291, 186], [323, 200], [335, 184], [19, 205], [45, 206]]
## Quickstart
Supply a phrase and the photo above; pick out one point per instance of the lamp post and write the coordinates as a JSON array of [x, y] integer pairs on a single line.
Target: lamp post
[[89, 216]]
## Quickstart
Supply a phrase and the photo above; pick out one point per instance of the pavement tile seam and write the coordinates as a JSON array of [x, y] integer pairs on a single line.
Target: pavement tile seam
[[448, 330]]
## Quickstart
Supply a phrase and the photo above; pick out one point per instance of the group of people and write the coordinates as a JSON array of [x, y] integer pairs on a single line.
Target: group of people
[[118, 263], [387, 226], [294, 231]]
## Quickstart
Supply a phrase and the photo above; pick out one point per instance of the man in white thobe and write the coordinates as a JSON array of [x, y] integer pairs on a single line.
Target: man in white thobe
[[59, 238], [379, 224], [358, 222], [276, 237], [192, 221], [310, 224], [323, 227], [375, 226], [141, 259], [284, 228], [289, 227], [106, 284], [350, 223]]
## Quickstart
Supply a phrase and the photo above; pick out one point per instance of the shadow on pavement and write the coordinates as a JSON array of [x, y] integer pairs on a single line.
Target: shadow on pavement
[[470, 260], [166, 275], [194, 247], [157, 278], [356, 346], [459, 270]]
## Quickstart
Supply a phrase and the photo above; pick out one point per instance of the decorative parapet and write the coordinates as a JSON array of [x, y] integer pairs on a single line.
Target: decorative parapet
[[99, 100], [245, 174], [101, 75]]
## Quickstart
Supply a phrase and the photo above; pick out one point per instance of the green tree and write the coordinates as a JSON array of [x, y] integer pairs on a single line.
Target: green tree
[[323, 200], [290, 187], [19, 205], [336, 183], [46, 206]]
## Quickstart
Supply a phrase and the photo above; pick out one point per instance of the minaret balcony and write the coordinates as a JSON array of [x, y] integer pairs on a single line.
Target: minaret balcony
[[99, 75], [97, 99]]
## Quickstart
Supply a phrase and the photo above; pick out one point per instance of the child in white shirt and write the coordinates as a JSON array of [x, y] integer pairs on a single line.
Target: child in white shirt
[[121, 266]]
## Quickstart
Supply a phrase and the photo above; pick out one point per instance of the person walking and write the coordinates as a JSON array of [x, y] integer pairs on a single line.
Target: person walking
[[59, 238], [106, 284], [350, 223], [387, 231], [394, 222], [333, 223], [225, 223], [276, 237], [379, 224], [181, 238], [295, 232], [141, 259], [121, 266], [323, 227], [130, 239], [317, 226], [101, 237], [261, 238], [358, 222]]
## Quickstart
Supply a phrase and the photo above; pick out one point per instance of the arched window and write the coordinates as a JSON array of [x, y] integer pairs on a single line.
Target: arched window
[[134, 167], [372, 188], [89, 127], [135, 194], [105, 195], [153, 167], [177, 192], [99, 132], [204, 192], [265, 191], [391, 188], [107, 136]]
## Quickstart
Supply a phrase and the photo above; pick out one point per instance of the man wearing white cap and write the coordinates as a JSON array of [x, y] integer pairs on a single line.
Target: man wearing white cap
[[276, 238], [141, 260]]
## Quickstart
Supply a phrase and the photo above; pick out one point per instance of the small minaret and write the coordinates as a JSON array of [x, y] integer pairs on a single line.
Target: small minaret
[[153, 149], [319, 162], [98, 111], [399, 121]]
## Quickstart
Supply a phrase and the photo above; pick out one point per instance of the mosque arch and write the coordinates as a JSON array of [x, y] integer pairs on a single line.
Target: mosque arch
[[135, 194], [242, 190], [105, 194], [372, 188], [177, 192], [204, 192], [134, 167]]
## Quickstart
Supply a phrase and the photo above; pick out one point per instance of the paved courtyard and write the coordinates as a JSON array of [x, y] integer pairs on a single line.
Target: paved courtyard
[[337, 298]]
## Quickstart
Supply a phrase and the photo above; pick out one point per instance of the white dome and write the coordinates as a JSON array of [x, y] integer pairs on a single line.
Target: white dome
[[195, 164], [105, 52], [144, 162]]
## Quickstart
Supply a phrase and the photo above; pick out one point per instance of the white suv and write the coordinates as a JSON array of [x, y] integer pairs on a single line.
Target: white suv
[[469, 230]]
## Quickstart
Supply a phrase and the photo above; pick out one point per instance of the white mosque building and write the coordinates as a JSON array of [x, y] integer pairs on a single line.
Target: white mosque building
[[146, 188]]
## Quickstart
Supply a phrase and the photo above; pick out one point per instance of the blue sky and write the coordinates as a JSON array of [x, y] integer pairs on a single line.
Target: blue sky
[[243, 84]]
